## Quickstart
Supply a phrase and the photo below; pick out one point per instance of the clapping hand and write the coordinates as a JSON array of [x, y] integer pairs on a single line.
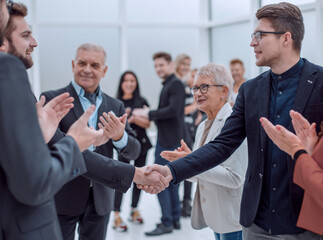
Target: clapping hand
[[52, 113], [113, 126], [84, 135], [304, 131]]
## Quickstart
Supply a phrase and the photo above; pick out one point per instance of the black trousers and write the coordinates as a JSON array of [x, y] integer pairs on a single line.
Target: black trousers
[[91, 225], [139, 162]]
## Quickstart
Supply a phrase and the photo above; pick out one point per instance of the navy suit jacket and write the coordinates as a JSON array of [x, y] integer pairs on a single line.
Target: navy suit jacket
[[30, 174], [253, 103], [72, 198]]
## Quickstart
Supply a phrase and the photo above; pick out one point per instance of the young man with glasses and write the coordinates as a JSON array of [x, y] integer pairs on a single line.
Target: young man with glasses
[[271, 201]]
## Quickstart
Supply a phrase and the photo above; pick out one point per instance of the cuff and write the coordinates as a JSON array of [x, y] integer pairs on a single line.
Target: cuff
[[122, 143], [174, 181], [298, 153]]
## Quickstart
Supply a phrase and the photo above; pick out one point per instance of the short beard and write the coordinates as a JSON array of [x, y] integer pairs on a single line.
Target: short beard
[[12, 50]]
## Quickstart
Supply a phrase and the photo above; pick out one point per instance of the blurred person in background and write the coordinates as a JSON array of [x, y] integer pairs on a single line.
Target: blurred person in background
[[169, 119], [237, 71], [129, 94], [182, 67], [219, 190]]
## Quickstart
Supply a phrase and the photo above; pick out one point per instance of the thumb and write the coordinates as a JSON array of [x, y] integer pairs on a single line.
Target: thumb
[[184, 145], [87, 114], [149, 169], [41, 101]]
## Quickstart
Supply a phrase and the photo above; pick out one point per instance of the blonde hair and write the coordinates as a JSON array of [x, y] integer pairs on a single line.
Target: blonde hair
[[178, 61]]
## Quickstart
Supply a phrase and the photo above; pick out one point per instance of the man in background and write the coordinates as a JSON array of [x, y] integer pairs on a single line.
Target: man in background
[[169, 119]]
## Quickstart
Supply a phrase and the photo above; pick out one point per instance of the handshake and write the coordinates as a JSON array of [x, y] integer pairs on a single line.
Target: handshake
[[152, 179]]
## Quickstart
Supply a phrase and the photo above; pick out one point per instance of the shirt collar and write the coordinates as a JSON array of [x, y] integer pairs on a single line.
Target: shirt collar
[[290, 72], [80, 91]]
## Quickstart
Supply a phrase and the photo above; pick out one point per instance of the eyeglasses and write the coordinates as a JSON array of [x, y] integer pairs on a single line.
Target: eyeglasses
[[9, 4], [204, 88], [258, 34]]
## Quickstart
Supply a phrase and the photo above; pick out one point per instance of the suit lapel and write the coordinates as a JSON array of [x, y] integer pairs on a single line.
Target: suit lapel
[[305, 87], [263, 103], [77, 109]]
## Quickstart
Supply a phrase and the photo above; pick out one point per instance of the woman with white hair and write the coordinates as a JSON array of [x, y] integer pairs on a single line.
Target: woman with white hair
[[219, 190]]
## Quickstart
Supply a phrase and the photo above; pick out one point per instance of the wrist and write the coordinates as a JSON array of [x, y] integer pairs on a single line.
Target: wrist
[[137, 174], [298, 153]]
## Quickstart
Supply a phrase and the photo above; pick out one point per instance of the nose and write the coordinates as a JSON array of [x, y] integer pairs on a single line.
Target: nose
[[253, 42], [33, 42], [87, 68]]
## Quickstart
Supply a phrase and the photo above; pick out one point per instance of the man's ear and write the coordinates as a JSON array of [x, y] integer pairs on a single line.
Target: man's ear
[[5, 46]]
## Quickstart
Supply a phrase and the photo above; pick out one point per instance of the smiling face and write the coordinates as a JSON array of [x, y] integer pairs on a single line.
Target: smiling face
[[21, 42], [184, 67], [129, 84], [237, 71], [89, 68], [163, 68], [268, 50], [211, 101]]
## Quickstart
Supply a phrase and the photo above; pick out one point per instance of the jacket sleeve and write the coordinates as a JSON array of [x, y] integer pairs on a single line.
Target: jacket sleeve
[[308, 174], [33, 173], [107, 171], [231, 173], [174, 108]]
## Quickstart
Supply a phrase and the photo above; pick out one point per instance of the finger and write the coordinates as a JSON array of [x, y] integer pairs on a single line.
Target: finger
[[184, 145], [113, 118], [58, 99], [87, 114], [164, 182], [123, 118]]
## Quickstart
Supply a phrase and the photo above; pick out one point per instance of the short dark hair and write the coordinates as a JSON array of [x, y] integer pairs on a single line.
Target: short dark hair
[[136, 93], [285, 17], [17, 9], [164, 55], [236, 61]]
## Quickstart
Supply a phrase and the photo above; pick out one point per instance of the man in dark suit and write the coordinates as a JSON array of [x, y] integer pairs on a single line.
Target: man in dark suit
[[169, 119], [271, 201], [30, 173], [82, 201], [19, 42]]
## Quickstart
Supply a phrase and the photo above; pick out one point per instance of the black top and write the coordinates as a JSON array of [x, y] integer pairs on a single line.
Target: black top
[[169, 117], [138, 102]]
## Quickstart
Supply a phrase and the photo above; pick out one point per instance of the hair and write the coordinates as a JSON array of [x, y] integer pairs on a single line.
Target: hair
[[178, 61], [285, 17], [91, 47], [18, 10], [136, 93], [236, 61], [164, 55], [219, 75]]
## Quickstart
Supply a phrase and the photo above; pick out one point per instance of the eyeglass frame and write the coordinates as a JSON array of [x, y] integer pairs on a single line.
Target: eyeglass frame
[[9, 4], [205, 86], [254, 35]]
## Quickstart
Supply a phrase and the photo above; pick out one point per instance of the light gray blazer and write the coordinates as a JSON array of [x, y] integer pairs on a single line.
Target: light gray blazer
[[219, 190]]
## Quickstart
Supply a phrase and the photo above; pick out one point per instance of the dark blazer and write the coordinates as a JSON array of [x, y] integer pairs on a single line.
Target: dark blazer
[[72, 198], [308, 174], [251, 104], [30, 174], [169, 117]]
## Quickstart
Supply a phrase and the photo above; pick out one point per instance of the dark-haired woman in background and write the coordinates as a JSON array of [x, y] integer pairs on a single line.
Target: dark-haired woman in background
[[129, 94]]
